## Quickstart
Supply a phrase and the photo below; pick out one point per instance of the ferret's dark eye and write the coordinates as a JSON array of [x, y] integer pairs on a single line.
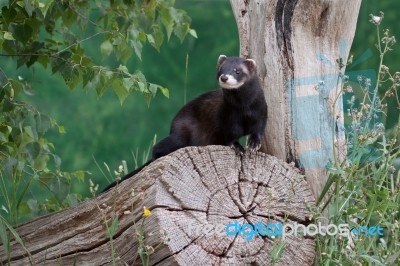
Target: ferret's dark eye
[[237, 72]]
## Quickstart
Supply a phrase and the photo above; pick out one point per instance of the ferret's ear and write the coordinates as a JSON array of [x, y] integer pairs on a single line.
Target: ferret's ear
[[221, 59], [251, 65]]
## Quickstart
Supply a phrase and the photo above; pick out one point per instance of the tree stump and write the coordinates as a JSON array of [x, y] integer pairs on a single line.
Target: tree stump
[[188, 192]]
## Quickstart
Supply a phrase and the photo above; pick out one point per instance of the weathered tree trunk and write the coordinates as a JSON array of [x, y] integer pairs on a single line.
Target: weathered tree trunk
[[296, 44], [191, 187]]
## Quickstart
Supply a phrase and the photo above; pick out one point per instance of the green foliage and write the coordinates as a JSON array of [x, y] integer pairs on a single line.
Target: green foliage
[[365, 187], [27, 158], [53, 35]]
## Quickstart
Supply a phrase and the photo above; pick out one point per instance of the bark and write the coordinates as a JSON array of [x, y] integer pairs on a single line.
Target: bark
[[195, 185], [296, 44]]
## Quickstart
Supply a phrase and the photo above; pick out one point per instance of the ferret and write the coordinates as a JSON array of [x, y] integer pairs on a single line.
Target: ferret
[[219, 117]]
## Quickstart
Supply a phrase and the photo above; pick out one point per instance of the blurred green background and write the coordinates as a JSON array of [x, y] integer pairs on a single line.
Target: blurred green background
[[102, 129]]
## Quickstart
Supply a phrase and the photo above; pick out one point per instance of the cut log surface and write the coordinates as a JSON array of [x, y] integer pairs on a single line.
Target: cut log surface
[[190, 193]]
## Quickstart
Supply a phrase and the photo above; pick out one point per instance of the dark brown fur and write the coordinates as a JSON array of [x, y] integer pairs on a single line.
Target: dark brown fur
[[222, 116]]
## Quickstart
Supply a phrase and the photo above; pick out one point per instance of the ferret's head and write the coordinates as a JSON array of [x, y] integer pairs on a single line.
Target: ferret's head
[[233, 72]]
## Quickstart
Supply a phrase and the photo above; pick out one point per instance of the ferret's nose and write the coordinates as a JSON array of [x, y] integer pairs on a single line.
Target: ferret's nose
[[223, 78]]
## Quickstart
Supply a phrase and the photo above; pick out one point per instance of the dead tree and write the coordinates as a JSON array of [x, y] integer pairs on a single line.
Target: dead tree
[[186, 191], [301, 48]]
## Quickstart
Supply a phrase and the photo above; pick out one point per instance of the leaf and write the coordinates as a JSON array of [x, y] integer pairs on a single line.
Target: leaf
[[142, 86], [16, 86], [80, 175], [167, 20], [32, 150], [3, 79], [137, 47], [58, 63], [8, 36], [128, 83], [151, 40], [46, 178], [23, 33], [8, 15], [43, 123], [123, 69], [374, 260], [45, 7], [105, 81], [43, 60], [124, 52], [3, 223], [113, 228], [181, 30], [60, 189], [61, 129], [41, 162], [4, 237], [164, 91], [153, 89], [33, 205], [193, 33], [88, 75], [106, 48], [57, 161], [156, 38], [120, 90], [9, 166], [71, 76]]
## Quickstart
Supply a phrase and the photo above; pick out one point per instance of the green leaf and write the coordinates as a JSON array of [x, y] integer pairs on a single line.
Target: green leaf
[[57, 161], [123, 69], [60, 189], [43, 60], [46, 178], [142, 86], [167, 20], [105, 81], [43, 123], [120, 89], [80, 175], [9, 166], [137, 47], [8, 36], [193, 33], [128, 83], [44, 7], [164, 91], [72, 76], [156, 38], [3, 222], [32, 150], [181, 30], [4, 237], [87, 76], [373, 260], [124, 52], [153, 89], [106, 48], [41, 162], [59, 63], [113, 228], [151, 40], [3, 79], [23, 33], [8, 15]]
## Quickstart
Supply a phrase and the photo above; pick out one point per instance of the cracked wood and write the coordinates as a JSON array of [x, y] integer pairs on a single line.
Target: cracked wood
[[198, 185], [296, 43]]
